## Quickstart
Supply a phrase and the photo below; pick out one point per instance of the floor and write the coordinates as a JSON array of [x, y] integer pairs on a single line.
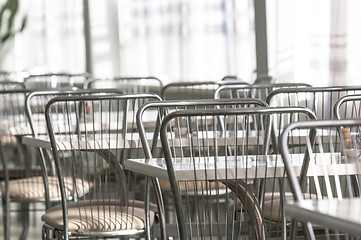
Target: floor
[[15, 226]]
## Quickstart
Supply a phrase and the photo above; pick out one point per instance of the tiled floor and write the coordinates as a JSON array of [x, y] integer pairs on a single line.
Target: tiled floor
[[35, 224]]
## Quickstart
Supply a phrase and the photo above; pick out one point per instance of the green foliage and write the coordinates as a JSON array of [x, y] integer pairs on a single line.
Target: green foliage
[[8, 12]]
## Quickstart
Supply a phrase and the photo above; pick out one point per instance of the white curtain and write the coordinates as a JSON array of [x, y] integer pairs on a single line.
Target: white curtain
[[315, 41], [187, 40], [171, 39], [53, 40]]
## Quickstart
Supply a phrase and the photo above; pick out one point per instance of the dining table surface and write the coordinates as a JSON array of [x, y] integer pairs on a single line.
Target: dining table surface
[[343, 215], [242, 167]]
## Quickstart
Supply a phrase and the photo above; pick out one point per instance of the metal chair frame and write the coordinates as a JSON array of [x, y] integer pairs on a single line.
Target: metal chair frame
[[163, 109], [13, 84], [107, 156], [351, 105], [319, 99], [44, 96], [298, 184], [197, 89], [45, 78], [15, 117], [253, 91], [244, 195], [132, 84]]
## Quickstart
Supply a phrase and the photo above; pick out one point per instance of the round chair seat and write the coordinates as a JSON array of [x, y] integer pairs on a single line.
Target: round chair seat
[[90, 217]]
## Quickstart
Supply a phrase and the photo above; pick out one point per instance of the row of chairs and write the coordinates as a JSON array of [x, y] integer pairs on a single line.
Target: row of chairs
[[91, 106], [319, 106], [175, 90], [250, 204], [284, 94]]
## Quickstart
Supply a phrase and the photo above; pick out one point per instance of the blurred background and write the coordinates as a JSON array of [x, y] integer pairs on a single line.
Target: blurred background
[[312, 41]]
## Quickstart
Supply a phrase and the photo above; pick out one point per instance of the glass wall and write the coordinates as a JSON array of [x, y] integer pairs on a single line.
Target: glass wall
[[174, 39], [314, 41], [52, 41], [171, 39]]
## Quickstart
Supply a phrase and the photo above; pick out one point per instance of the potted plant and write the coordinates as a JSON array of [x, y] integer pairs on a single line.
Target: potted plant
[[8, 27]]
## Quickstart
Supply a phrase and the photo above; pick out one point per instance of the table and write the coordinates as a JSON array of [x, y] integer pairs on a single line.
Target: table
[[71, 142], [18, 125], [343, 215], [133, 139], [267, 166], [232, 170], [270, 166]]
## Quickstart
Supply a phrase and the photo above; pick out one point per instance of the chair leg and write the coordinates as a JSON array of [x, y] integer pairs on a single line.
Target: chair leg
[[24, 220], [44, 233], [6, 218]]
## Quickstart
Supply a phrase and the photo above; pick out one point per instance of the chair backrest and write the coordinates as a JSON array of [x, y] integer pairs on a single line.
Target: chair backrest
[[224, 172], [329, 163], [319, 99], [127, 84], [348, 107], [230, 78], [166, 107], [55, 80], [12, 112], [149, 132], [252, 91], [105, 115], [90, 151], [20, 162], [9, 85], [4, 76], [36, 101], [193, 90]]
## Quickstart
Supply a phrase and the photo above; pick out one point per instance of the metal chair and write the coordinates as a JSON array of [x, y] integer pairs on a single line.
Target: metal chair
[[24, 172], [348, 107], [151, 144], [4, 76], [89, 153], [193, 90], [19, 163], [9, 85], [328, 168], [127, 84], [35, 104], [166, 107], [55, 80], [232, 187], [252, 91], [319, 99], [230, 77], [36, 101]]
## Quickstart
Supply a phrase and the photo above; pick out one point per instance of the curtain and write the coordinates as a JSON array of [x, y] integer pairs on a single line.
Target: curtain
[[171, 39], [187, 40], [52, 41], [314, 41]]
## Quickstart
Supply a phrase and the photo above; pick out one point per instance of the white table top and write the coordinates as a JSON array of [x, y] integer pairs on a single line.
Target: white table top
[[269, 167], [133, 140], [68, 142], [343, 215], [19, 126]]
